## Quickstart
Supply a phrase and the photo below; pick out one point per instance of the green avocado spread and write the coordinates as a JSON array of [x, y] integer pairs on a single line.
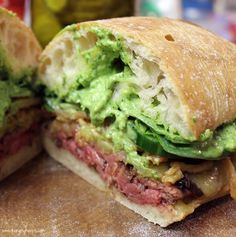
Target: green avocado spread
[[14, 95], [104, 90], [9, 92]]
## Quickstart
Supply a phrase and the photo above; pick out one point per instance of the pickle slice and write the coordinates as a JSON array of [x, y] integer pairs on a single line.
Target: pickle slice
[[56, 5], [41, 26]]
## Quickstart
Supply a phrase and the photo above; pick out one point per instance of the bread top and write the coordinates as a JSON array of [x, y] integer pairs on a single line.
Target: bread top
[[200, 66], [19, 49]]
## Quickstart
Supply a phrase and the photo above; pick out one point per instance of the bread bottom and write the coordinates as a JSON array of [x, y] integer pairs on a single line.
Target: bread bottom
[[163, 215], [11, 163]]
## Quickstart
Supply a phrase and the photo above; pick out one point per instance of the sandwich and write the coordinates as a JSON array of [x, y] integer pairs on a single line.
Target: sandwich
[[145, 109], [20, 114]]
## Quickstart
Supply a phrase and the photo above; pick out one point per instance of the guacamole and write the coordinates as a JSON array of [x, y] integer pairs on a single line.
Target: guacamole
[[8, 92]]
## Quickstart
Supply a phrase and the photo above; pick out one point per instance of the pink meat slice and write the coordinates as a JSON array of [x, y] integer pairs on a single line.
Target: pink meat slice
[[115, 172]]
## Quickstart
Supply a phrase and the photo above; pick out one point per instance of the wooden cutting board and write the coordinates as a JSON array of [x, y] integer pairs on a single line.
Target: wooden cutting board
[[45, 199]]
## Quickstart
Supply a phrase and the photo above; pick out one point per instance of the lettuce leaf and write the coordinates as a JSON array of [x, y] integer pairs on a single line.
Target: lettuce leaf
[[222, 142]]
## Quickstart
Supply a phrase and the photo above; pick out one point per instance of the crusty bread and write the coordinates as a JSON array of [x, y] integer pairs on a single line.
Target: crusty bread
[[162, 215], [11, 163], [19, 49], [199, 68]]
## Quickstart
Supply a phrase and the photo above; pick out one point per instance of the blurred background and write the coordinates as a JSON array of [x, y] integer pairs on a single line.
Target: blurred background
[[47, 17]]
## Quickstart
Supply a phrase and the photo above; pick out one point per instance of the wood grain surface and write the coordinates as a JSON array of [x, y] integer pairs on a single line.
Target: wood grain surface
[[45, 199]]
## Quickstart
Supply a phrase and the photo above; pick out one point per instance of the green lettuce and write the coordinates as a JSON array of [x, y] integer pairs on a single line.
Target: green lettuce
[[222, 142]]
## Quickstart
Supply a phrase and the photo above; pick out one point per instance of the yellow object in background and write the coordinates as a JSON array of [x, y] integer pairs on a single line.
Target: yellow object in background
[[44, 23], [56, 5], [50, 16]]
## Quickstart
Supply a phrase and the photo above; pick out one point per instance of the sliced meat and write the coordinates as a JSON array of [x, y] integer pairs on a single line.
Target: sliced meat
[[122, 176], [12, 142]]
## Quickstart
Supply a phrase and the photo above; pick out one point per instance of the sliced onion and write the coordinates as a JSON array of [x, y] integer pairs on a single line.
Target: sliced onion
[[172, 175], [210, 182], [196, 168]]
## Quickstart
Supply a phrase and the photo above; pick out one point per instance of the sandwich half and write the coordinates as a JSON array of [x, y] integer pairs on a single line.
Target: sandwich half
[[144, 108], [20, 114]]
